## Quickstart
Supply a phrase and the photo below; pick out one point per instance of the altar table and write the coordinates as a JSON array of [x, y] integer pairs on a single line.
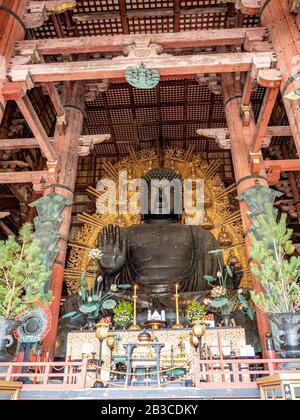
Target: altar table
[[177, 345]]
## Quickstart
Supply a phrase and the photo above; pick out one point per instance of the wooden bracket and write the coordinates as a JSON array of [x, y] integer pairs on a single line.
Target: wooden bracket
[[273, 175], [53, 172], [14, 91], [269, 78], [274, 168], [252, 77], [39, 11], [212, 81], [256, 160], [294, 6], [58, 106], [37, 128], [249, 7], [142, 48]]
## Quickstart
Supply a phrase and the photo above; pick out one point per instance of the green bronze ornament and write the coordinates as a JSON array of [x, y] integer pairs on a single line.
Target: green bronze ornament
[[257, 199], [141, 77], [47, 224]]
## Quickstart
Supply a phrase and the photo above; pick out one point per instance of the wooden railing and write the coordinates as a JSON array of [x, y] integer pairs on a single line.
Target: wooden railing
[[231, 373], [241, 372], [46, 375]]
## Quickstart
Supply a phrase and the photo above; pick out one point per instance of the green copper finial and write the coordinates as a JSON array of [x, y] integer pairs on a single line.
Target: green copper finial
[[141, 77]]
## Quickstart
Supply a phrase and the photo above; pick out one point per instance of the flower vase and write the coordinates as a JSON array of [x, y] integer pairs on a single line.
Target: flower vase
[[226, 319], [6, 339]]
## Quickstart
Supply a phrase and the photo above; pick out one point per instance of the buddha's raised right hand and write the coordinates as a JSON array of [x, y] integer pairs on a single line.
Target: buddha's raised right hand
[[113, 249]]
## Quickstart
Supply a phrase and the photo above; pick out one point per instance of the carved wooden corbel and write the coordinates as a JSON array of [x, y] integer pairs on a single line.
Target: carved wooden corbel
[[93, 89], [88, 143], [247, 7], [212, 81], [256, 160], [39, 11], [294, 6], [142, 49]]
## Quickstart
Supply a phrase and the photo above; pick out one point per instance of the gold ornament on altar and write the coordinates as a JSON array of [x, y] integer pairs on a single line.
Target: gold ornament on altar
[[199, 329], [218, 217]]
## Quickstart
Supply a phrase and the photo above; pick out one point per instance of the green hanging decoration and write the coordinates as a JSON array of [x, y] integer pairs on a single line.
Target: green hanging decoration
[[47, 224], [141, 77], [257, 199]]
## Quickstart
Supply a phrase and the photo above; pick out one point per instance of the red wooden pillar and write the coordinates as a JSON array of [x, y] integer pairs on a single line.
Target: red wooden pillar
[[284, 33], [241, 138], [11, 29], [67, 150]]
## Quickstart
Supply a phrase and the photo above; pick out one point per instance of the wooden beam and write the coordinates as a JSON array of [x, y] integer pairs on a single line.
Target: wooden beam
[[22, 177], [117, 43], [4, 214], [32, 143], [6, 229], [289, 165], [264, 118], [55, 98], [177, 9], [114, 69], [37, 128], [123, 14]]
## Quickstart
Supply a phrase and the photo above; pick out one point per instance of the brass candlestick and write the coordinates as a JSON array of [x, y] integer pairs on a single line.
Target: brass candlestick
[[177, 325], [134, 326]]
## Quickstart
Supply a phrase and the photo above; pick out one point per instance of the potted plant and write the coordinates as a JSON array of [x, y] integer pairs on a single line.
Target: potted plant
[[123, 314], [195, 312], [22, 279], [278, 273], [223, 298]]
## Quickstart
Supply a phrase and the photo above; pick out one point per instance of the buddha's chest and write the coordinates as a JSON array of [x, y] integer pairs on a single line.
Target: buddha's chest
[[161, 246]]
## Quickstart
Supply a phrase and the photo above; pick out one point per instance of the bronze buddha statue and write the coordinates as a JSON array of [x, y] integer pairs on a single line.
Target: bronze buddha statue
[[161, 251]]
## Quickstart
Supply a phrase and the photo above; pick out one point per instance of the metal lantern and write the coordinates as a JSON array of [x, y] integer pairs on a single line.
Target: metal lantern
[[199, 330], [194, 341], [111, 342], [102, 331]]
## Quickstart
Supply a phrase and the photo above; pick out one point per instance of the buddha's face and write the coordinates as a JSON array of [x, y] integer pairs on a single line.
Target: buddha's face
[[163, 196], [164, 199]]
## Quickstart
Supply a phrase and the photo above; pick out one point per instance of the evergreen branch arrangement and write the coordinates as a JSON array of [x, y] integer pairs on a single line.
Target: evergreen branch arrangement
[[123, 314], [22, 274], [195, 311], [275, 268]]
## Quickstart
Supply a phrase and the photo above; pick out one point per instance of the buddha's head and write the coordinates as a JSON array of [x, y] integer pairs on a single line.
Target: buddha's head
[[162, 198]]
